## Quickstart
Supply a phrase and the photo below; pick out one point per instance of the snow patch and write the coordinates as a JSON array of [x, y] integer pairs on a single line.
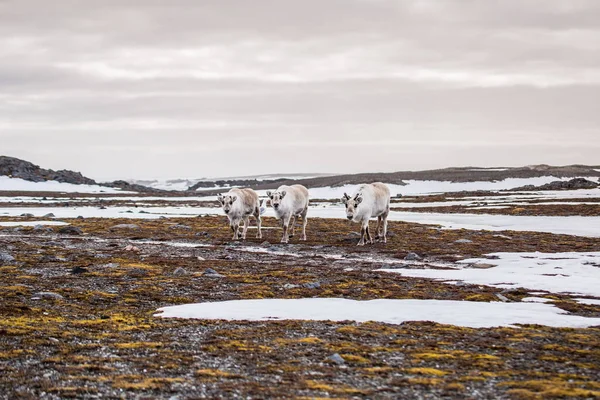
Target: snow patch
[[594, 302], [17, 184], [535, 300], [572, 272], [32, 223], [460, 313]]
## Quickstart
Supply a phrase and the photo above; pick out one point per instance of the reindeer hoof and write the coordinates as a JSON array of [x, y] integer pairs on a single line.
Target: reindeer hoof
[[291, 236], [360, 244]]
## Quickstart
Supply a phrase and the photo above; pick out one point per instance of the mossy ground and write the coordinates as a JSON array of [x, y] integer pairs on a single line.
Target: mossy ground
[[102, 337]]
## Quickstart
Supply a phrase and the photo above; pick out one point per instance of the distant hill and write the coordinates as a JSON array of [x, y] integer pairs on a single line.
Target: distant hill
[[456, 174], [17, 168]]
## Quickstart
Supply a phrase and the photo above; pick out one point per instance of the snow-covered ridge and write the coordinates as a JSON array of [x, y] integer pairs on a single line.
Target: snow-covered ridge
[[414, 187], [21, 185]]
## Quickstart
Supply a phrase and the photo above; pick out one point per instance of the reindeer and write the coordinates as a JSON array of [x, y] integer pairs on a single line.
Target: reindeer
[[289, 202], [369, 201], [238, 205]]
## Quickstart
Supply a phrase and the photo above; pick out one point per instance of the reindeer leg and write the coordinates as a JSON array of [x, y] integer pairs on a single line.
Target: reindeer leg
[[286, 224], [377, 233], [257, 216], [293, 225], [246, 223], [363, 231], [369, 238], [384, 218], [304, 222]]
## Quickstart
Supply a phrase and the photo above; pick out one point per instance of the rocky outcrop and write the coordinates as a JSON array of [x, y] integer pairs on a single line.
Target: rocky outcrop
[[17, 168], [132, 187], [576, 183]]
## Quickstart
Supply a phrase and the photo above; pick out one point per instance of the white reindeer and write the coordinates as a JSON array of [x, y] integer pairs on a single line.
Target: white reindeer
[[369, 201], [238, 205], [288, 203]]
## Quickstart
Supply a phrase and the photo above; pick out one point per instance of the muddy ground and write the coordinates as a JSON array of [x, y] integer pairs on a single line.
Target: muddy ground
[[77, 316]]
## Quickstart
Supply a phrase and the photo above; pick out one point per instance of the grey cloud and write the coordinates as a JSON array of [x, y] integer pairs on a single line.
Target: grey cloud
[[426, 83]]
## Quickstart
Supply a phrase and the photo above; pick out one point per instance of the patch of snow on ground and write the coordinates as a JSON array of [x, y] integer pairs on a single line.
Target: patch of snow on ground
[[571, 225], [572, 272], [594, 302], [32, 223], [460, 313], [535, 300], [17, 184]]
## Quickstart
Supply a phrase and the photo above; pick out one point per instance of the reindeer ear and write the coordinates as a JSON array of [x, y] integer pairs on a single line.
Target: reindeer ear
[[220, 198], [269, 193], [234, 198], [283, 192], [358, 199]]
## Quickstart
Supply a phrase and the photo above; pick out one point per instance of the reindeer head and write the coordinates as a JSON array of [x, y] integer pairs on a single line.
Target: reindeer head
[[226, 202], [276, 198], [351, 204]]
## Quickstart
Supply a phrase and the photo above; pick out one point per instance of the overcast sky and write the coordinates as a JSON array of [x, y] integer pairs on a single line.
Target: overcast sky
[[141, 89]]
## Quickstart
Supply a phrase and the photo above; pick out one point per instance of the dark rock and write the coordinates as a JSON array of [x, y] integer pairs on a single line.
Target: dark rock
[[17, 168], [575, 183], [79, 270], [6, 259], [180, 226], [70, 230], [336, 358], [312, 285], [211, 273], [205, 234], [80, 217], [27, 215], [125, 226], [49, 215], [265, 243], [42, 228], [132, 187], [180, 271], [47, 295], [412, 257]]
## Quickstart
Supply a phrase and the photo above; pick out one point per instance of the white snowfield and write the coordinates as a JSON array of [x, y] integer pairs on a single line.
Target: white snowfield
[[32, 223], [572, 225], [460, 313], [572, 272], [17, 184]]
